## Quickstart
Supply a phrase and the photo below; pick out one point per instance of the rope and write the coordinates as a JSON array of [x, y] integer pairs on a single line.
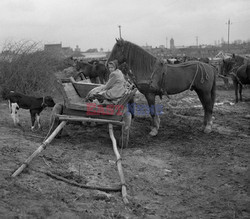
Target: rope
[[194, 77], [203, 70]]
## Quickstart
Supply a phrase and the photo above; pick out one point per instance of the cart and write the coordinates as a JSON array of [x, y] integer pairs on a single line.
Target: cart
[[75, 108]]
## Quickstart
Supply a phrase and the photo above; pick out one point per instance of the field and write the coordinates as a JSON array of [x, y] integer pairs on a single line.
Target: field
[[181, 173]]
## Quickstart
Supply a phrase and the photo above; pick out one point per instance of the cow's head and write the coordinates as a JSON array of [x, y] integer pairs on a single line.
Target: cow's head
[[48, 102]]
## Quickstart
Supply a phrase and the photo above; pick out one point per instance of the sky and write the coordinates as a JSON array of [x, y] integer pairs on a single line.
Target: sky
[[94, 23]]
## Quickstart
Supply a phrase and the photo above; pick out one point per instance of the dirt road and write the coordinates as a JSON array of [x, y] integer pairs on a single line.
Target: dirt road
[[181, 173]]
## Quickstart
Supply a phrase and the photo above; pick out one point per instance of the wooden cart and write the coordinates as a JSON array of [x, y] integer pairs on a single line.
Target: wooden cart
[[75, 108]]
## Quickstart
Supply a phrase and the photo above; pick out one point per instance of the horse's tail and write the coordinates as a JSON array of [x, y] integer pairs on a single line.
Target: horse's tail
[[213, 90]]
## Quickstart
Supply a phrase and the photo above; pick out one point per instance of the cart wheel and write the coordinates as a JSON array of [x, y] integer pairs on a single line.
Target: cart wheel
[[124, 139], [54, 121]]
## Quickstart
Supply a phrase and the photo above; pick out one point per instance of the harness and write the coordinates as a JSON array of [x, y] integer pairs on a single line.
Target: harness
[[237, 78], [157, 67], [198, 66], [233, 73]]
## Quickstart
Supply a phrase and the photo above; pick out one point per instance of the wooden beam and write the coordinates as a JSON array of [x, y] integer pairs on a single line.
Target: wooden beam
[[119, 164], [39, 149], [88, 119]]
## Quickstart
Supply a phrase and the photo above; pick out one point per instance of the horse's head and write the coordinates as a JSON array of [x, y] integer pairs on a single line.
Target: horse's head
[[69, 62], [48, 101], [227, 66], [118, 51], [84, 66], [78, 65]]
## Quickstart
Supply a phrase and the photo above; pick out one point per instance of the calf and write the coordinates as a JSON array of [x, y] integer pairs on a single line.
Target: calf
[[34, 104]]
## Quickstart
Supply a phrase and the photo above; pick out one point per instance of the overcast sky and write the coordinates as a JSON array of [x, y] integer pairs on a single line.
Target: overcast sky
[[94, 23]]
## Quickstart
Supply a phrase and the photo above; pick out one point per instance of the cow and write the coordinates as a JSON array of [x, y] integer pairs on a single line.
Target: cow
[[34, 104]]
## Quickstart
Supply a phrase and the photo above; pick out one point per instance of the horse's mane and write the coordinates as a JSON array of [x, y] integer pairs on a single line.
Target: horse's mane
[[141, 62]]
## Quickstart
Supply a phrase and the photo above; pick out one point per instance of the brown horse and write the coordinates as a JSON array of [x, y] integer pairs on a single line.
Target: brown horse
[[93, 71], [153, 77], [241, 77]]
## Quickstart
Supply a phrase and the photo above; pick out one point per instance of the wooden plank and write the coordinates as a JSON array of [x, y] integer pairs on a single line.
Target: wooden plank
[[83, 88], [88, 119], [70, 94]]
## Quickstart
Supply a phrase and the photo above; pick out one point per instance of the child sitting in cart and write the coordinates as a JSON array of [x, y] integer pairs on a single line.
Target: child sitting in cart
[[113, 90]]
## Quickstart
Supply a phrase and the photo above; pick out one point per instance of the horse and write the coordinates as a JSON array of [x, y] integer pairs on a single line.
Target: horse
[[241, 77], [204, 59], [154, 77], [93, 71], [173, 61]]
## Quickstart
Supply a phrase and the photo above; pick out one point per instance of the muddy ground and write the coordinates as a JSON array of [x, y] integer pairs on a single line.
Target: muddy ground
[[181, 173]]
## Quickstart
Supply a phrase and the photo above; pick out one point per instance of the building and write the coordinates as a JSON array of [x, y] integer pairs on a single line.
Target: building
[[172, 43], [53, 48], [58, 50]]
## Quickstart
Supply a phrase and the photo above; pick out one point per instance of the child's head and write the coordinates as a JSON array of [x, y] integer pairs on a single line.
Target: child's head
[[113, 65]]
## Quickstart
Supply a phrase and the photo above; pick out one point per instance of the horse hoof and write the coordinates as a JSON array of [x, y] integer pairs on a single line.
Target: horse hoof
[[208, 129], [153, 132]]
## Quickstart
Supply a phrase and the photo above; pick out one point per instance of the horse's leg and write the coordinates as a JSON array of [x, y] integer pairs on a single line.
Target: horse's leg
[[236, 90], [207, 103], [155, 118], [98, 80], [226, 83], [131, 107], [240, 92]]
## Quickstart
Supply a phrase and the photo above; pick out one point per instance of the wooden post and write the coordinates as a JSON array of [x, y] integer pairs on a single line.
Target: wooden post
[[118, 163], [39, 149]]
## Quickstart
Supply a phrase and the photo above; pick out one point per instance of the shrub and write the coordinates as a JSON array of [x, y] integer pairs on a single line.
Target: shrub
[[25, 68]]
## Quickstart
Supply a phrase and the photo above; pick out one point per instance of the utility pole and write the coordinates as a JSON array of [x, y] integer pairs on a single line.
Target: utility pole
[[166, 42], [197, 41], [120, 32], [228, 33]]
